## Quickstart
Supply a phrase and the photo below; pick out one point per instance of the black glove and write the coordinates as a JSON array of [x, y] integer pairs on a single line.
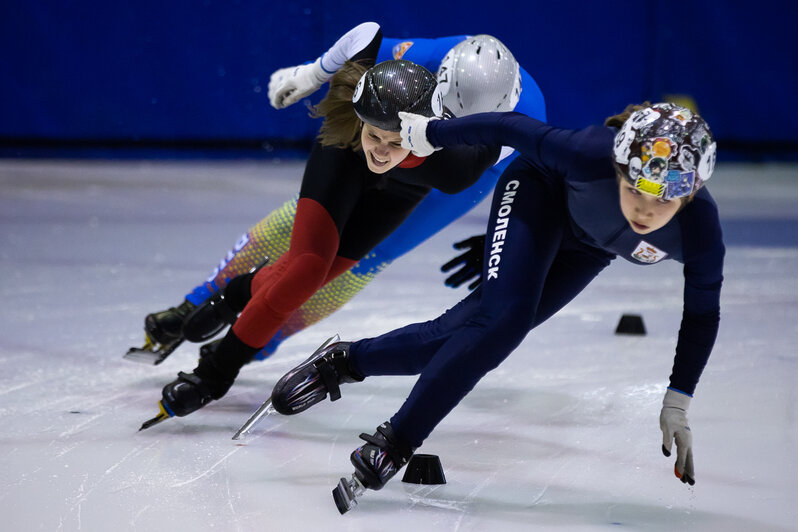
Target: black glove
[[471, 262]]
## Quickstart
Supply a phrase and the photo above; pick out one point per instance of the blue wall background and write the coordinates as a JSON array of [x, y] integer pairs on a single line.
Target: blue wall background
[[90, 71]]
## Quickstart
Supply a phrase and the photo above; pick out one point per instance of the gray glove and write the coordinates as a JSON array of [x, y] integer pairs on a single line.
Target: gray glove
[[674, 425]]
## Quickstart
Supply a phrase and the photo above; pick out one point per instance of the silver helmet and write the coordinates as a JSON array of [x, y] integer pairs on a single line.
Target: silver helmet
[[479, 75]]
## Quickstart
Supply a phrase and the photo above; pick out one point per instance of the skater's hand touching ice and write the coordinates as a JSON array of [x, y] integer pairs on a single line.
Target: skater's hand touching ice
[[675, 427], [414, 134], [470, 262], [289, 85]]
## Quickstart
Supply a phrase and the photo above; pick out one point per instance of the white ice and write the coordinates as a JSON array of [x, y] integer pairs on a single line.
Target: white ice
[[563, 436]]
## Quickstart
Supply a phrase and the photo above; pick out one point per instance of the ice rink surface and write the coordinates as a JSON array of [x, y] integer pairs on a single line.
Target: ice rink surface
[[563, 436]]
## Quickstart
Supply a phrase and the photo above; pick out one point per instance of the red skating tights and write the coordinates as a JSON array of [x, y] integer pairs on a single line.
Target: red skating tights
[[281, 288]]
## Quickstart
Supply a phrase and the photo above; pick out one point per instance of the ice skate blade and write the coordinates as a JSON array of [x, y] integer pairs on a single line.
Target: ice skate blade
[[346, 493], [264, 410], [150, 353], [162, 416]]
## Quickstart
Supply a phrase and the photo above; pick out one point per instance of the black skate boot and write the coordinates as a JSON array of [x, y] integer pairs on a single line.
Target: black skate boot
[[191, 391], [163, 334], [209, 349], [167, 326], [221, 309], [267, 408], [208, 319], [375, 463], [310, 382]]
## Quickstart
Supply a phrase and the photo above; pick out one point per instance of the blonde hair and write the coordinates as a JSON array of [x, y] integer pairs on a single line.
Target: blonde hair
[[341, 127]]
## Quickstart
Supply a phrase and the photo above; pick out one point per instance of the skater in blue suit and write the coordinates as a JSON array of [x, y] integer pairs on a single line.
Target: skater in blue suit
[[562, 211], [475, 74]]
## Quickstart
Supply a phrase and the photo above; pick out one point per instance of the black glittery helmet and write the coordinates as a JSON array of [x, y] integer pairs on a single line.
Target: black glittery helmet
[[665, 150], [393, 86]]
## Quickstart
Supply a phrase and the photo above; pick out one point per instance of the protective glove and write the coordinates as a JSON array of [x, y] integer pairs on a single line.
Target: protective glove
[[471, 262], [414, 134], [289, 85], [674, 425]]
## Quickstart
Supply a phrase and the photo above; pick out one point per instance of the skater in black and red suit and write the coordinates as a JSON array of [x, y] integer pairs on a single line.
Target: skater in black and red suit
[[359, 185]]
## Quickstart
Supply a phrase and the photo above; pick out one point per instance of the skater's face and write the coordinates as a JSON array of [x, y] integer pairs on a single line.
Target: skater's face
[[644, 212], [383, 149]]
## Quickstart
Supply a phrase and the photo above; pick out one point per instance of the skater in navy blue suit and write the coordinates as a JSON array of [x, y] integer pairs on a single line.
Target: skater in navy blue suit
[[562, 211]]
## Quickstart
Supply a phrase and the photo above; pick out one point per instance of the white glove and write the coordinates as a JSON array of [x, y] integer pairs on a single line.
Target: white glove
[[289, 85], [674, 425], [414, 134]]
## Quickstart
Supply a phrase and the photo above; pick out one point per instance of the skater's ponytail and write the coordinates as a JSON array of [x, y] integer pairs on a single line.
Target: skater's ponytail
[[341, 127]]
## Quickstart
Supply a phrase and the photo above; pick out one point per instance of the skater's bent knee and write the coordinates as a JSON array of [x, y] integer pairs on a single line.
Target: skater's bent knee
[[305, 275]]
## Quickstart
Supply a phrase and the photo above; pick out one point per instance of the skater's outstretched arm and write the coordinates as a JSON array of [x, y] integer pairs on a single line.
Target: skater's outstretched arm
[[289, 85]]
